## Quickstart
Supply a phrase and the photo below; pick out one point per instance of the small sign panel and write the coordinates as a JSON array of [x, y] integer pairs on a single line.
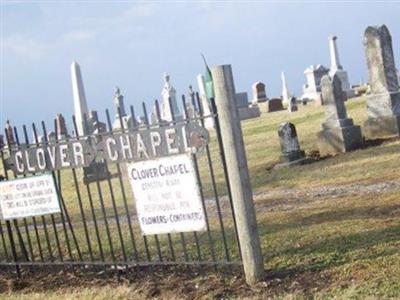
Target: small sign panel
[[28, 197], [167, 195]]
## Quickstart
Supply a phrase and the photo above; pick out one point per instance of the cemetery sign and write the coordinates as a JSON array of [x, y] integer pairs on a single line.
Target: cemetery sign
[[167, 195], [112, 147], [28, 197]]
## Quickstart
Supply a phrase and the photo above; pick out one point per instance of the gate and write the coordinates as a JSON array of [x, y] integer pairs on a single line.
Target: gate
[[98, 223]]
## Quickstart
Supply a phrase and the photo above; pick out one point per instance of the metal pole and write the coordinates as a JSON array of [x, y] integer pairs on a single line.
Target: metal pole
[[238, 172]]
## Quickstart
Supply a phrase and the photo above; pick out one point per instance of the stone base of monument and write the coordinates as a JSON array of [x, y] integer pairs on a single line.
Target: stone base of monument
[[271, 105], [293, 159], [382, 127], [336, 140], [249, 112], [97, 171]]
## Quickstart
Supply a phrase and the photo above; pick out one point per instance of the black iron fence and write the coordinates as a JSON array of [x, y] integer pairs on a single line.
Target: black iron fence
[[98, 223]]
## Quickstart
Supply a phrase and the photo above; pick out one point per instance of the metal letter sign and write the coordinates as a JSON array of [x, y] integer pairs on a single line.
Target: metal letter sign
[[27, 197], [167, 195], [113, 147]]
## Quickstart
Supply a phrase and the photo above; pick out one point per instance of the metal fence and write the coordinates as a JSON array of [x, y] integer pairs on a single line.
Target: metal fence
[[98, 224]]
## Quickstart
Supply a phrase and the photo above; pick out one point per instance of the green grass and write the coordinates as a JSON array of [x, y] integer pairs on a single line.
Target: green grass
[[322, 246]]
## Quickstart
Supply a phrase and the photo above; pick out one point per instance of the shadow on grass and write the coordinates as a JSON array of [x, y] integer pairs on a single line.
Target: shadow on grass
[[332, 252]]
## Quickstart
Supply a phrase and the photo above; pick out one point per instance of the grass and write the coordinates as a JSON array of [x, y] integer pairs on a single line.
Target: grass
[[315, 244]]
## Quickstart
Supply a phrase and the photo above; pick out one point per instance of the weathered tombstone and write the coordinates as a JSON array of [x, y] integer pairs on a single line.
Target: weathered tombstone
[[259, 94], [191, 104], [246, 111], [290, 147], [338, 133], [292, 105], [2, 144], [62, 132], [10, 133], [383, 104]]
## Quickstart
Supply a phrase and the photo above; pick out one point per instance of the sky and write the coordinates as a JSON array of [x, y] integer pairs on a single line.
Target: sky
[[131, 44]]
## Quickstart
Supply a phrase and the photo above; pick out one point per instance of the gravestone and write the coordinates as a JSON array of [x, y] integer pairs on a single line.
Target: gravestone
[[245, 110], [62, 132], [9, 133], [285, 91], [291, 152], [259, 94], [338, 133], [292, 106], [383, 104], [337, 68], [204, 102], [272, 105], [191, 104], [120, 111], [2, 143], [312, 89], [168, 93], [80, 105]]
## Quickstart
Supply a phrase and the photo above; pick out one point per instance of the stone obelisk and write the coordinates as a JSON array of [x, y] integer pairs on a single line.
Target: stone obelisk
[[80, 104], [337, 68], [285, 92]]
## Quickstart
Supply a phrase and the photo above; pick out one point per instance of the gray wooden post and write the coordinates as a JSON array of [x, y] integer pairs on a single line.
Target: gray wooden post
[[239, 180]]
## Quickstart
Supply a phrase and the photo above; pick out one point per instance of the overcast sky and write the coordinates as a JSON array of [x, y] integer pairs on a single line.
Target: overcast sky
[[131, 44]]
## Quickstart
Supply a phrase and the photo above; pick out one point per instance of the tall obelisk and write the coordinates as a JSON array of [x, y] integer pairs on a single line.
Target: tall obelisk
[[80, 104], [285, 92], [337, 68]]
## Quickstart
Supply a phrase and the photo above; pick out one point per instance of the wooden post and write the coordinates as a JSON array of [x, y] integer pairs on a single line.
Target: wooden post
[[239, 180]]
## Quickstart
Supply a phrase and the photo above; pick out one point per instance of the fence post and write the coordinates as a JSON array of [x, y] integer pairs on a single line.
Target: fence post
[[242, 195]]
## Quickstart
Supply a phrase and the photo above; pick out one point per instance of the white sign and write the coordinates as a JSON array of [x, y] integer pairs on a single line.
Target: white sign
[[27, 197], [167, 195]]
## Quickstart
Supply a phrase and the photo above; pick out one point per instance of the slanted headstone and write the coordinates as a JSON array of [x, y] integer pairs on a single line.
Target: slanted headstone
[[62, 132], [259, 94], [292, 106], [290, 147], [383, 104], [338, 133]]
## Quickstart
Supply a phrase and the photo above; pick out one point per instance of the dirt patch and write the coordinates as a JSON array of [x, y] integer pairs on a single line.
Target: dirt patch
[[168, 285]]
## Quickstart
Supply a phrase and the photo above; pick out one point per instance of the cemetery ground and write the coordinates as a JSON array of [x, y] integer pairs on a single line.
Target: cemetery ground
[[328, 229]]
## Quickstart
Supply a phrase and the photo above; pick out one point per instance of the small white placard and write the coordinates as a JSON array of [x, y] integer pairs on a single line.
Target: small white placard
[[28, 197], [167, 195]]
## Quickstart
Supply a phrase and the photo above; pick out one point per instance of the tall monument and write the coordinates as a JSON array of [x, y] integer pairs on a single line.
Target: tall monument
[[169, 92], [80, 104], [337, 68], [285, 91]]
